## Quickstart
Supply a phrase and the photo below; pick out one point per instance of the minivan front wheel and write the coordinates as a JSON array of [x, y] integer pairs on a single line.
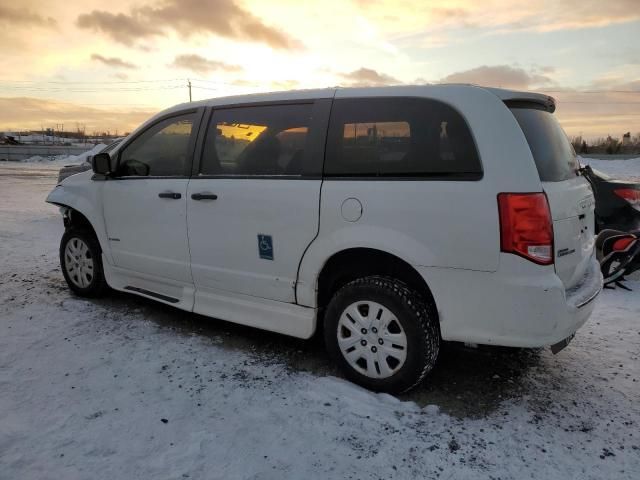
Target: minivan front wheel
[[81, 262], [382, 334]]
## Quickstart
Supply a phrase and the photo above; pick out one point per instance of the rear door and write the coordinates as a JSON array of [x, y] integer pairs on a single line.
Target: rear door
[[570, 196], [253, 200]]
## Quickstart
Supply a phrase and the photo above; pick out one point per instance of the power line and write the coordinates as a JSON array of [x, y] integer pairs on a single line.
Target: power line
[[64, 82], [206, 88], [116, 104], [600, 103], [168, 80], [618, 114], [218, 82], [571, 92], [88, 89]]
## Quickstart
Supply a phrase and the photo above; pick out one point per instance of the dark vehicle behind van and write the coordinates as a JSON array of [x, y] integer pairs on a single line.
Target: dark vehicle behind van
[[617, 201]]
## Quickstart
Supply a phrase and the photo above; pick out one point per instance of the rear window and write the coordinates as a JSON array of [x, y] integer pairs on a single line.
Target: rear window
[[399, 137], [554, 156]]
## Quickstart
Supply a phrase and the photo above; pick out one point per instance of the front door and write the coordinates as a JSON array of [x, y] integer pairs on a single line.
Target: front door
[[253, 201], [145, 207]]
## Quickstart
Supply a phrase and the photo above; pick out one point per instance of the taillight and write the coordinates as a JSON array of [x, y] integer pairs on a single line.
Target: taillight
[[526, 228], [631, 195], [622, 244]]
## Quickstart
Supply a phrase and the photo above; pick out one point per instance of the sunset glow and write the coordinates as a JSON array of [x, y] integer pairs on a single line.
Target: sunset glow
[[108, 66]]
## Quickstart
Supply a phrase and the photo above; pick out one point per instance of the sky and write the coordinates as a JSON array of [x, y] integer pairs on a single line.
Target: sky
[[110, 65]]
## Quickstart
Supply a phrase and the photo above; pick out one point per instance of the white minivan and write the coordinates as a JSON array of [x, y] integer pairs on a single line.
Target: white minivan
[[391, 219]]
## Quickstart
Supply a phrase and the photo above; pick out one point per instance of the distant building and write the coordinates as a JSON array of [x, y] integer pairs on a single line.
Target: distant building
[[626, 139]]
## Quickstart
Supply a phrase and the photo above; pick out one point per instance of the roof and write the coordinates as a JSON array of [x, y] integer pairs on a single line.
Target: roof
[[411, 90], [451, 90]]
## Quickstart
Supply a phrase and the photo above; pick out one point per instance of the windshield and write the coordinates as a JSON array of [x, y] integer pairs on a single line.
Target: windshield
[[554, 156]]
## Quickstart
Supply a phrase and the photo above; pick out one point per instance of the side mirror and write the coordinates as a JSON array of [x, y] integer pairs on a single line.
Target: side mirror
[[101, 163]]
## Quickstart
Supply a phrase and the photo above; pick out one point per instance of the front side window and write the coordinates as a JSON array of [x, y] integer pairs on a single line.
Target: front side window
[[399, 137], [262, 140], [161, 151], [111, 146]]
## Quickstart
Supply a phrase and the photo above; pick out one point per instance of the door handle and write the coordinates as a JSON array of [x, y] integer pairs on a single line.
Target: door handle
[[204, 196], [171, 195]]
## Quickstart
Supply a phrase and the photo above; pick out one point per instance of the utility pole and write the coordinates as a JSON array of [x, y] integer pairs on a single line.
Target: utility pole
[[189, 85]]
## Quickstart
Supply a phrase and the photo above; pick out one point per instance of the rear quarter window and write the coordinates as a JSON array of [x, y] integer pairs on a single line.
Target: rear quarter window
[[552, 152], [399, 137]]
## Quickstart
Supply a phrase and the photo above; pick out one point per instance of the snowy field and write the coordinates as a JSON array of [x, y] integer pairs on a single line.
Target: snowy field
[[616, 168], [123, 388], [60, 160]]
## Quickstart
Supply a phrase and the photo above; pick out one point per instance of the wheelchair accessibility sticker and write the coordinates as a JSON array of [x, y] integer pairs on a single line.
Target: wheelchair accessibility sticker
[[265, 246]]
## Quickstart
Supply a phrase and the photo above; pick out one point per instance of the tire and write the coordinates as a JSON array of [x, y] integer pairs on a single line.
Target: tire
[[372, 354], [85, 276]]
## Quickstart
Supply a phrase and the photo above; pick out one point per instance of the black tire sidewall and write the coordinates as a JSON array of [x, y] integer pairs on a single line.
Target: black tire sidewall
[[403, 303], [98, 283]]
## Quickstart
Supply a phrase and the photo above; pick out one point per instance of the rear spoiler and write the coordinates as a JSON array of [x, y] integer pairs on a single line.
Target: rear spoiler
[[525, 99], [530, 104]]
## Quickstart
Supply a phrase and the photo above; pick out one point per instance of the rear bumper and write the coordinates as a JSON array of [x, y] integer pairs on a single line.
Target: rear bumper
[[527, 308]]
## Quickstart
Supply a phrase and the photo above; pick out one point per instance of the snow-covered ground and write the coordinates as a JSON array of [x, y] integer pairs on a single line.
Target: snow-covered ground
[[60, 160], [123, 388], [616, 168]]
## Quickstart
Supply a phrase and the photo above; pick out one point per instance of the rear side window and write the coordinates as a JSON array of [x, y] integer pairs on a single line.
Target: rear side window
[[261, 140], [554, 156], [399, 137]]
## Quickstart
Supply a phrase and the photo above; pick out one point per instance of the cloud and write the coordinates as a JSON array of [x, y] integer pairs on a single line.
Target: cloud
[[112, 61], [503, 76], [446, 13], [32, 113], [285, 84], [604, 106], [597, 113], [187, 18], [417, 19], [120, 27], [24, 18], [575, 14], [202, 65], [366, 77], [617, 83]]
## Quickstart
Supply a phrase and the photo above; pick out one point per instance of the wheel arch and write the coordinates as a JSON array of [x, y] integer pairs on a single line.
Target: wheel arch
[[351, 263], [82, 206], [73, 218]]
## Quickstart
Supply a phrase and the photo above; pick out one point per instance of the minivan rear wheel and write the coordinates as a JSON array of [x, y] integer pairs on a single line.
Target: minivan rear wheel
[[382, 334], [81, 262]]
